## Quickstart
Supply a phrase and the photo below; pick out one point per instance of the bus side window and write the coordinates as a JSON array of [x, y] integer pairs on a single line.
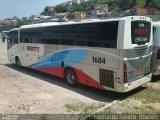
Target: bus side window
[[97, 34], [12, 39], [49, 41], [107, 45], [35, 40], [94, 44], [15, 40], [66, 42], [26, 40], [22, 40], [9, 43], [80, 43]]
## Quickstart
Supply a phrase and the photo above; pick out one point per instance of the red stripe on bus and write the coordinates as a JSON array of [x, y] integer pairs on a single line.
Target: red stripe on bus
[[83, 78], [58, 71]]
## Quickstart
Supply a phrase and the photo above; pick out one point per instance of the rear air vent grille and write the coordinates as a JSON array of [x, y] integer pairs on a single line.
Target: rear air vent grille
[[140, 51], [106, 78]]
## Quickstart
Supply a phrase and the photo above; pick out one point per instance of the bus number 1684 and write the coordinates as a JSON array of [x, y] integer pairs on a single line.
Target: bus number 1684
[[99, 60]]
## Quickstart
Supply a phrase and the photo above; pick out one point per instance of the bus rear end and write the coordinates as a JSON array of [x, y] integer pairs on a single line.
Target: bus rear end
[[136, 52], [156, 48]]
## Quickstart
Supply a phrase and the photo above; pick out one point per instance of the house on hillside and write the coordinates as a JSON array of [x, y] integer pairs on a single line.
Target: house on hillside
[[144, 11], [79, 15], [101, 10], [10, 21], [69, 3], [79, 1], [61, 14], [33, 19]]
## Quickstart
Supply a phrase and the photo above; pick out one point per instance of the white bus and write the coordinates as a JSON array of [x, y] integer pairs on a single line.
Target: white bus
[[113, 54], [156, 48], [4, 35]]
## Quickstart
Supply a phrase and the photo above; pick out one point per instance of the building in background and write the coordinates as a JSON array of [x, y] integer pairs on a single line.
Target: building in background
[[79, 15], [100, 11]]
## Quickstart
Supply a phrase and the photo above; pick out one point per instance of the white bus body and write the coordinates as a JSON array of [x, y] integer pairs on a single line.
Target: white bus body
[[156, 48], [113, 54], [4, 33]]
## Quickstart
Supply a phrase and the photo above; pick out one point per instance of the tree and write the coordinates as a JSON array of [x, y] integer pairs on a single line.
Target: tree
[[48, 12], [102, 1], [133, 3], [126, 4], [148, 3], [114, 5], [61, 9], [152, 3], [21, 22]]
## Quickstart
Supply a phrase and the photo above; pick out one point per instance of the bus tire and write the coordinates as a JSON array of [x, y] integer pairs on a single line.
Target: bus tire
[[70, 77], [18, 62]]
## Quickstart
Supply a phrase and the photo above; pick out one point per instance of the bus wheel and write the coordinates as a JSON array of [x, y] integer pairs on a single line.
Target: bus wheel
[[70, 77], [18, 62]]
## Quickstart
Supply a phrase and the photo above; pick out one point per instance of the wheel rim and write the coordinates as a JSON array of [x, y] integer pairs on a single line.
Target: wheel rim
[[70, 77]]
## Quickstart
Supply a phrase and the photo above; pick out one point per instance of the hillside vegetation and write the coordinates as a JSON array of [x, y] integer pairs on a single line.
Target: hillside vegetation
[[115, 6]]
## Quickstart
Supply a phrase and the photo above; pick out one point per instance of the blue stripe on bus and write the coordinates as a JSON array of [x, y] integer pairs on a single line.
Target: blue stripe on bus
[[70, 57]]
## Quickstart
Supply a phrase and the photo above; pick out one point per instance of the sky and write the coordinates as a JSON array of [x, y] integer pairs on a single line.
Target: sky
[[24, 8]]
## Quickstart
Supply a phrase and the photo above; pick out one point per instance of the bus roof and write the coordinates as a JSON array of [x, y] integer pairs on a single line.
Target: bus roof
[[13, 29], [64, 23], [82, 22]]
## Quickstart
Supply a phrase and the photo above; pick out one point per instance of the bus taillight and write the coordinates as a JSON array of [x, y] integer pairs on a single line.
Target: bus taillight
[[125, 73], [158, 54]]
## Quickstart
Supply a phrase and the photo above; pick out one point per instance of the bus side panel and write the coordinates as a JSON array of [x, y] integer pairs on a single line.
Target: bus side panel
[[156, 62], [81, 60], [12, 53], [120, 44], [101, 65], [30, 53], [86, 79], [156, 47], [55, 62], [57, 71], [120, 74]]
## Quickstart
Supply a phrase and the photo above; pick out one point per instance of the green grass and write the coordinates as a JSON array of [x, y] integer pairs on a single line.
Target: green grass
[[83, 108], [141, 110], [107, 111], [44, 117], [139, 103], [142, 102], [148, 95], [158, 81], [91, 108], [133, 110]]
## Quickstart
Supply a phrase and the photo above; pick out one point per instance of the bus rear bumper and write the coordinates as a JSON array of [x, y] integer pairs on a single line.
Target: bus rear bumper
[[130, 86]]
